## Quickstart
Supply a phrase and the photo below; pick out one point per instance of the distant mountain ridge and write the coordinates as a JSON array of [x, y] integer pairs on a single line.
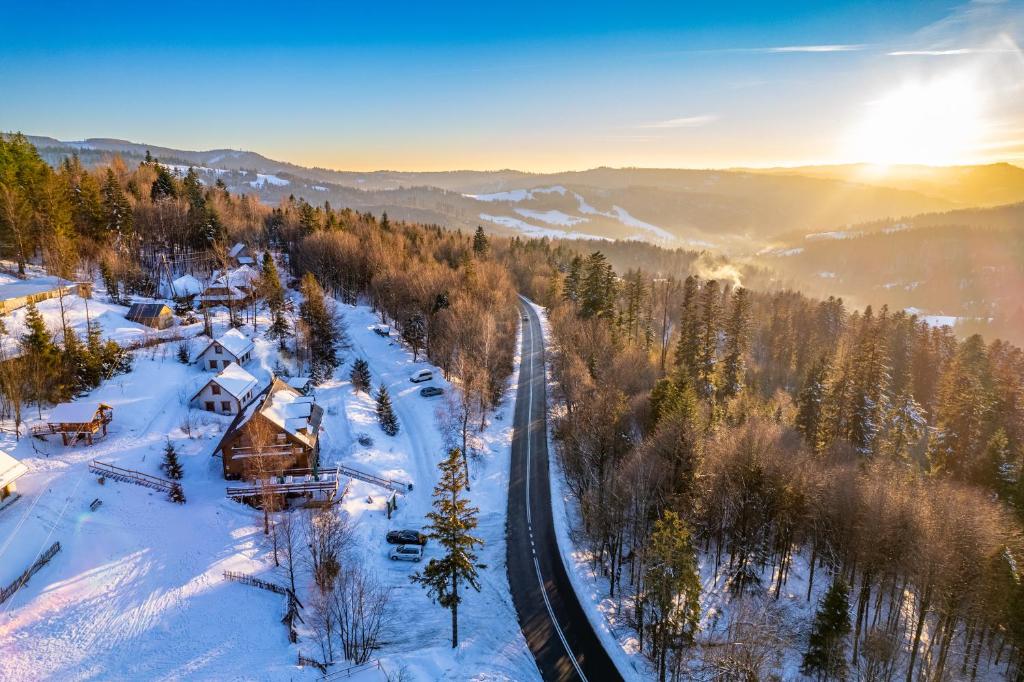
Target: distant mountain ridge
[[736, 211]]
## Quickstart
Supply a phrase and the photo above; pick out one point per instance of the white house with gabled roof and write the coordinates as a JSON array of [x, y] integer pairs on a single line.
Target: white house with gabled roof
[[10, 471], [232, 346], [226, 393]]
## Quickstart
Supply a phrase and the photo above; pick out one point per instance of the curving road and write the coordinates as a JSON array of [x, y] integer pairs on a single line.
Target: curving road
[[557, 630]]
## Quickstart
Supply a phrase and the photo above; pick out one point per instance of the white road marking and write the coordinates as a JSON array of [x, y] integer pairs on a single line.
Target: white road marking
[[536, 564]]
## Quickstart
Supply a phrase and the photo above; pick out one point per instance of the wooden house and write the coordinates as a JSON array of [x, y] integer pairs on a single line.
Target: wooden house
[[232, 347], [20, 293], [155, 315], [76, 421], [226, 393], [235, 287], [276, 433], [240, 255], [10, 471]]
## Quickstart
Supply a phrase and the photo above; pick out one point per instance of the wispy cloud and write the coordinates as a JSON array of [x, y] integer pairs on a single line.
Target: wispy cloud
[[944, 53], [684, 122], [809, 48]]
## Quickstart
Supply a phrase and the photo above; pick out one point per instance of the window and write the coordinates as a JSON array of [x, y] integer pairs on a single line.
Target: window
[[225, 405], [209, 406], [281, 437], [213, 364], [218, 350], [215, 388]]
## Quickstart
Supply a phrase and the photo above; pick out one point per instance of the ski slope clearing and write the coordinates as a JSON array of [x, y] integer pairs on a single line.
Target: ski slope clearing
[[137, 592]]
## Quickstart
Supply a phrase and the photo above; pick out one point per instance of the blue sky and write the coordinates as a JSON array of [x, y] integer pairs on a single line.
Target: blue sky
[[532, 86]]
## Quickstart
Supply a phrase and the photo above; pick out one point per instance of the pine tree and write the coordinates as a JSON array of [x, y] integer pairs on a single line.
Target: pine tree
[[385, 412], [810, 417], [688, 345], [118, 216], [326, 335], [270, 284], [574, 280], [826, 651], [737, 338], [171, 466], [451, 523], [177, 494], [707, 342], [41, 357], [598, 288], [163, 185], [414, 331], [110, 282], [183, 354], [671, 588], [481, 246], [360, 375]]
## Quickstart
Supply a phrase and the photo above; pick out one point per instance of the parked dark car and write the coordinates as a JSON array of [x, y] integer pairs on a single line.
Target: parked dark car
[[431, 391], [406, 537]]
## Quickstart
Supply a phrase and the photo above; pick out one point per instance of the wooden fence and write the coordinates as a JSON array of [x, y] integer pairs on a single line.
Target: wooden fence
[[397, 486], [246, 579], [43, 559], [346, 673], [104, 470]]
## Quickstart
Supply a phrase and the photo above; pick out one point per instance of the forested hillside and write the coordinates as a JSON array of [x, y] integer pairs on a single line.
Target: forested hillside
[[134, 227], [760, 432]]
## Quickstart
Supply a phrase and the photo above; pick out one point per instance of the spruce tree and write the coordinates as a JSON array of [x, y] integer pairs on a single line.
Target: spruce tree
[[118, 215], [688, 345], [452, 523], [573, 280], [671, 588], [183, 354], [41, 357], [110, 282], [810, 416], [171, 466], [177, 494], [737, 338], [326, 335], [414, 331], [385, 412], [826, 650], [360, 375], [481, 246], [707, 344]]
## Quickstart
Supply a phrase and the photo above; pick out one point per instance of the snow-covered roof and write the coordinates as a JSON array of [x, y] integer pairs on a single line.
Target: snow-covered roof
[[293, 412], [298, 382], [74, 413], [243, 277], [234, 294], [233, 379], [236, 249], [10, 469], [246, 260], [234, 341], [187, 285], [27, 287]]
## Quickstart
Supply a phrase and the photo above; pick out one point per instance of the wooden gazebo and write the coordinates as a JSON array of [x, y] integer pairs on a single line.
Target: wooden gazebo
[[76, 421]]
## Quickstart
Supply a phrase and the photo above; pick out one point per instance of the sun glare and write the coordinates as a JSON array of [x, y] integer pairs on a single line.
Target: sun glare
[[937, 122]]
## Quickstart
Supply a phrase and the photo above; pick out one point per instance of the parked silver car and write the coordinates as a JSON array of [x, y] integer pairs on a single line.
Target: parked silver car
[[406, 553]]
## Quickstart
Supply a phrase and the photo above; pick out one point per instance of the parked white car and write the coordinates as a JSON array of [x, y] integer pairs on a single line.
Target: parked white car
[[422, 375], [406, 553]]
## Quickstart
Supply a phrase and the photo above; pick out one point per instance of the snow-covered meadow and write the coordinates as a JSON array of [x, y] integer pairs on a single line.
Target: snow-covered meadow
[[137, 592]]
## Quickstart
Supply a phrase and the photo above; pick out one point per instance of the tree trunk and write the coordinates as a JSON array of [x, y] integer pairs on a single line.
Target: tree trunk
[[455, 612]]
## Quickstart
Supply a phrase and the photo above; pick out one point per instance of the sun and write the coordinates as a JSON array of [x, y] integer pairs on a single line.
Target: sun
[[936, 122]]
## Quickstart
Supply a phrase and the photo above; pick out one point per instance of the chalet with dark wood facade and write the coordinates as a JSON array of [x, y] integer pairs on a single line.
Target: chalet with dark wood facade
[[277, 432]]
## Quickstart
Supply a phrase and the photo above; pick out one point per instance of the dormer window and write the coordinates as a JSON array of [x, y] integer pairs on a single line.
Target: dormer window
[[216, 389]]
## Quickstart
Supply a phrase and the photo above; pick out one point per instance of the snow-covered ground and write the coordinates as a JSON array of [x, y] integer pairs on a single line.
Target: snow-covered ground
[[136, 591]]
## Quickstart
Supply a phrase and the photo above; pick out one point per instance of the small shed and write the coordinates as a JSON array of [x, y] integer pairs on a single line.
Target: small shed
[[155, 315], [76, 421], [10, 471], [232, 346]]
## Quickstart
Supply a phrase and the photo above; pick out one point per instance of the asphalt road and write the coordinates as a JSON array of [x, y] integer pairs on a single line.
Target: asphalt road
[[561, 638]]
